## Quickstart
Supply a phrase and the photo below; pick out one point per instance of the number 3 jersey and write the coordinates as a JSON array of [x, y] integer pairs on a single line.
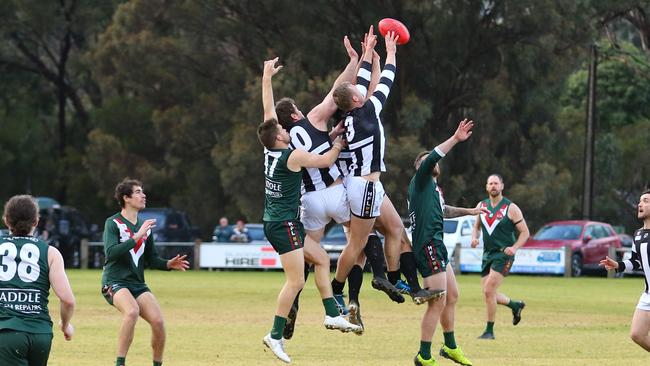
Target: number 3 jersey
[[126, 259], [24, 285]]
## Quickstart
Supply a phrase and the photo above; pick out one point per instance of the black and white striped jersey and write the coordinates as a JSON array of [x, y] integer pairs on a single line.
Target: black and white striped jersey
[[364, 131], [640, 259], [305, 136]]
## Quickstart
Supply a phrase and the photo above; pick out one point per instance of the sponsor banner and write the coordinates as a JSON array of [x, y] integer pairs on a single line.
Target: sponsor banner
[[238, 256], [543, 261]]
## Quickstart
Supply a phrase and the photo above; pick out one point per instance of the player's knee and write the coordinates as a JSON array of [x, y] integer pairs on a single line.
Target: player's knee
[[637, 337], [452, 297], [158, 324], [489, 290], [297, 283], [131, 314]]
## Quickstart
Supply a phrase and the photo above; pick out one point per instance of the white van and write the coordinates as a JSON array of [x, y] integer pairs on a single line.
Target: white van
[[457, 230]]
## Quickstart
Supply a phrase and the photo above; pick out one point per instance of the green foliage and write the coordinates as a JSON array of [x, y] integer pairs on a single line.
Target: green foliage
[[169, 92]]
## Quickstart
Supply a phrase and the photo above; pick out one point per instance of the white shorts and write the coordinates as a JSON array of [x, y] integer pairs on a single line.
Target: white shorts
[[319, 207], [365, 196], [644, 302]]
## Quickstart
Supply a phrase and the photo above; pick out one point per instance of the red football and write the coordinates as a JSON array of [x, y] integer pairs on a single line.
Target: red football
[[393, 25]]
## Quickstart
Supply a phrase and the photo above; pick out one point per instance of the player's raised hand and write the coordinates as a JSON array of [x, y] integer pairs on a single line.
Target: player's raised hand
[[464, 130], [270, 68], [370, 40], [391, 42], [146, 226], [351, 51], [178, 263], [609, 263]]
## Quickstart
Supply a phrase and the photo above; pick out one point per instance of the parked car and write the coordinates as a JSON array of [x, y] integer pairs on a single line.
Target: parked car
[[334, 242], [457, 230], [589, 241], [64, 227], [171, 225], [255, 233]]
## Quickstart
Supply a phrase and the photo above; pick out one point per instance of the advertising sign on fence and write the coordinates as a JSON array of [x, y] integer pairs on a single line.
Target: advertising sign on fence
[[549, 261], [239, 256]]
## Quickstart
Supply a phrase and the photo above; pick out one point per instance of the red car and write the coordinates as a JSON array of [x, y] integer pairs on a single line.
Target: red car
[[589, 241]]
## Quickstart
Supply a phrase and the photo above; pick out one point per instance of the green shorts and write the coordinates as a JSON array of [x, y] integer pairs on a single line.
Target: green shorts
[[285, 236], [24, 349], [136, 290], [498, 261], [431, 258]]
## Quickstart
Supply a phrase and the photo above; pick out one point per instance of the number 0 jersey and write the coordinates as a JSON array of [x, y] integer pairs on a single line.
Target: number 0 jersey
[[305, 136], [24, 285], [282, 192]]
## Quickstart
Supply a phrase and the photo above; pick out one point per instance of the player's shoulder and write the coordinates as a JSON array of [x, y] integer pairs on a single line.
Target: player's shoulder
[[111, 219]]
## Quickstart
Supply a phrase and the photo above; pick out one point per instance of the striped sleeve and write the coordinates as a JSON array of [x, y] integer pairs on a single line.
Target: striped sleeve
[[380, 95], [632, 264], [363, 78]]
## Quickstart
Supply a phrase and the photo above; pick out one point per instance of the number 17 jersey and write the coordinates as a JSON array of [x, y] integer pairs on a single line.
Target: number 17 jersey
[[24, 285]]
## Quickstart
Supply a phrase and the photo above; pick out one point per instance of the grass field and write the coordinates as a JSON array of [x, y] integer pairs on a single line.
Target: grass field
[[219, 318]]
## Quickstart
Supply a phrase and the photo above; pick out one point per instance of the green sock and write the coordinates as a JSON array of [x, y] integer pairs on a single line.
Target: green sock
[[330, 307], [450, 340], [490, 327], [278, 327], [514, 305], [157, 363], [121, 361], [425, 350]]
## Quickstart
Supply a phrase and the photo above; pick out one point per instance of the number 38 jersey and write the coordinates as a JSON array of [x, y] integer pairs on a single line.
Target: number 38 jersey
[[24, 285], [305, 136]]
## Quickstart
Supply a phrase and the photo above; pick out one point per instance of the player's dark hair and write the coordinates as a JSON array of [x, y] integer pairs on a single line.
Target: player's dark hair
[[419, 156], [284, 108], [125, 188], [21, 214], [343, 96], [496, 175], [267, 132], [647, 191]]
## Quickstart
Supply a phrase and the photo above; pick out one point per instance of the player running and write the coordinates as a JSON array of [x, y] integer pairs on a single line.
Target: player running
[[498, 225]]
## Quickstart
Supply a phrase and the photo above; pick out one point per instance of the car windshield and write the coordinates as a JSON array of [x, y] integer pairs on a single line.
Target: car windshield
[[336, 233], [159, 216], [559, 232], [449, 226]]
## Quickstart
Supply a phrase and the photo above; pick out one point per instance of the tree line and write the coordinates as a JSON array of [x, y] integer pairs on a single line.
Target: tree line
[[169, 92]]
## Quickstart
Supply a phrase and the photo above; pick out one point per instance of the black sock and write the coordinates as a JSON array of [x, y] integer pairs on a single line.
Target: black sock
[[307, 267], [409, 269], [337, 287], [355, 279], [393, 276], [375, 254]]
